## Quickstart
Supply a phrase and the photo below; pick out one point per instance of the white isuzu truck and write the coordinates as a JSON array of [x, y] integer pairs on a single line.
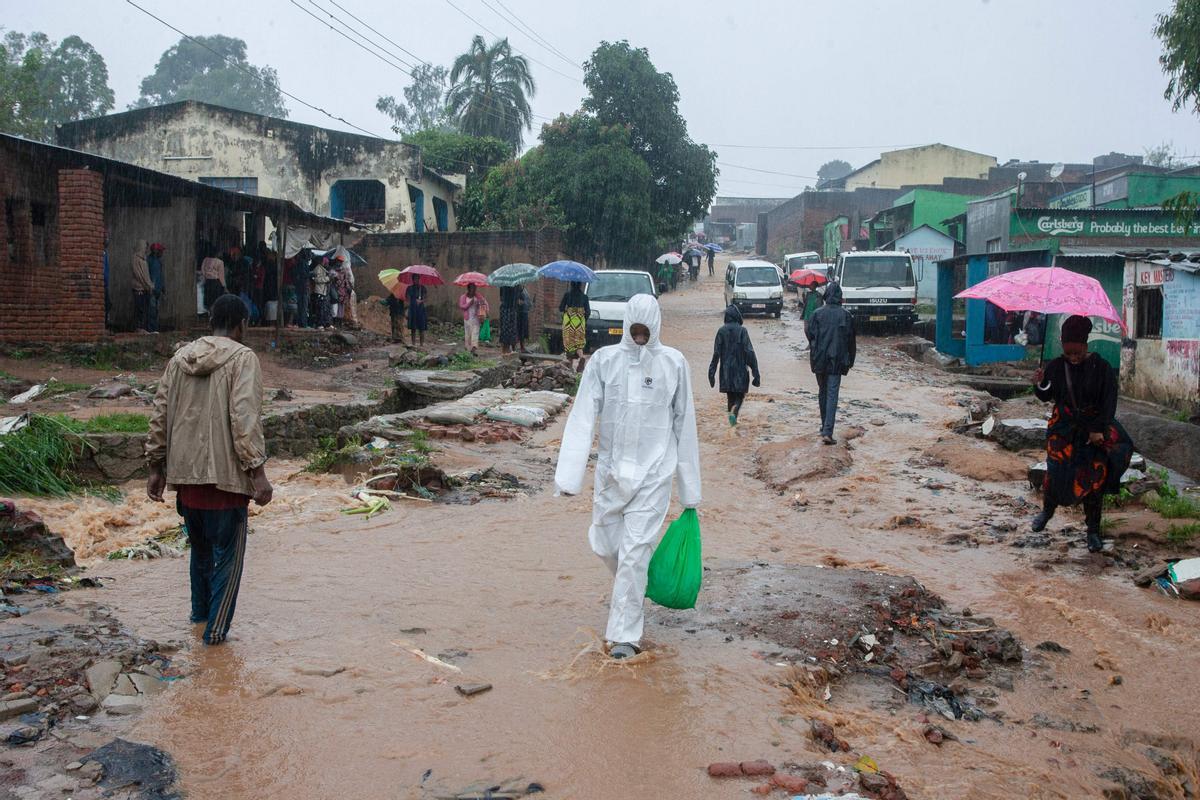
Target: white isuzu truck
[[879, 288]]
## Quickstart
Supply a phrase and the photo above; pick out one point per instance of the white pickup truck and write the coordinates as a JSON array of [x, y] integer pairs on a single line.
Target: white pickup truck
[[878, 287]]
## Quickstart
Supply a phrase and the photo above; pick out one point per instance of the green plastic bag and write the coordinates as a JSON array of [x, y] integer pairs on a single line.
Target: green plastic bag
[[485, 331], [675, 569]]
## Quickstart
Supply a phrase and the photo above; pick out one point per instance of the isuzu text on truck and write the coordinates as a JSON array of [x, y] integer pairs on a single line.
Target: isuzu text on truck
[[878, 288]]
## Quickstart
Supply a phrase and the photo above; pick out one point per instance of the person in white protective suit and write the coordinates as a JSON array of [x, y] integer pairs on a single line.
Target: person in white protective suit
[[640, 391]]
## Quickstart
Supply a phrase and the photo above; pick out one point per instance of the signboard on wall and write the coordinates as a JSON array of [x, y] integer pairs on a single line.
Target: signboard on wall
[[1080, 198], [1109, 225]]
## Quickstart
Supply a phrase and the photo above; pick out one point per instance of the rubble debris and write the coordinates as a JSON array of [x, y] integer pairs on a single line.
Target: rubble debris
[[127, 764], [472, 689], [824, 735], [1019, 434], [941, 699], [110, 391], [24, 532], [1049, 646], [788, 465], [560, 377]]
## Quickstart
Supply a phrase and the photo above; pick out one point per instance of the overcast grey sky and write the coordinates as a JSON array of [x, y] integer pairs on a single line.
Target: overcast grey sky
[[1031, 79]]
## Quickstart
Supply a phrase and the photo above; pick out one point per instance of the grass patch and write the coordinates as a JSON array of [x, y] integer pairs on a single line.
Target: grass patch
[[20, 355], [13, 564], [56, 387], [375, 395], [1119, 500], [111, 358], [39, 459], [106, 423], [328, 455], [462, 360], [1175, 506], [1183, 534]]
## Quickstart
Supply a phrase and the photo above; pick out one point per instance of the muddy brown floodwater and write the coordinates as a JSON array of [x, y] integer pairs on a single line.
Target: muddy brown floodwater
[[318, 694]]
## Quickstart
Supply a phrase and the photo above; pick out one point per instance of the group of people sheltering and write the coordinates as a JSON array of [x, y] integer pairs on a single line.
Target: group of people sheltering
[[515, 305], [251, 275]]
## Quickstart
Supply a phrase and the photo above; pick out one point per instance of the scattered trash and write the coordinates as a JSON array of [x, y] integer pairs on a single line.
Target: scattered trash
[[941, 699], [172, 543], [127, 764], [29, 394], [12, 424], [865, 764], [472, 689], [732, 769], [1174, 579], [368, 503], [419, 653]]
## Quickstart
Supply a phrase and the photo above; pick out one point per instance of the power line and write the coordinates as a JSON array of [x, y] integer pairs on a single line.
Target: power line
[[256, 77], [815, 146], [385, 38], [723, 179], [261, 80], [766, 171], [522, 52], [354, 42], [530, 33], [490, 112], [538, 35]]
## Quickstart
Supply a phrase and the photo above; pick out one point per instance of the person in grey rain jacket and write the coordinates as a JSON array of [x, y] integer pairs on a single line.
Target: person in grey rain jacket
[[831, 349]]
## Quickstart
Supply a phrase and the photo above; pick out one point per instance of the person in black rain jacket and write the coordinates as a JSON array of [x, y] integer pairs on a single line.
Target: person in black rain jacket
[[734, 354]]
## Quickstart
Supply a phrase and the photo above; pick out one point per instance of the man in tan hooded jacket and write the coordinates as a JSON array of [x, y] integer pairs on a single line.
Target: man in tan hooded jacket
[[206, 442]]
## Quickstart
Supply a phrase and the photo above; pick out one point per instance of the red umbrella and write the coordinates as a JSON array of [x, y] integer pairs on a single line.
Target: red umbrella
[[468, 278], [807, 278], [429, 276]]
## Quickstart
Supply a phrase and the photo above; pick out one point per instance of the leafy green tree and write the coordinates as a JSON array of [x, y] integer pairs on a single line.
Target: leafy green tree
[[626, 90], [1162, 155], [1180, 59], [212, 69], [832, 170], [43, 85], [584, 179], [453, 152], [1180, 34], [490, 87], [424, 104]]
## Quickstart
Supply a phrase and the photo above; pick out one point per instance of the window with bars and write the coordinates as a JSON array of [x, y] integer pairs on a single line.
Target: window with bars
[[1149, 312]]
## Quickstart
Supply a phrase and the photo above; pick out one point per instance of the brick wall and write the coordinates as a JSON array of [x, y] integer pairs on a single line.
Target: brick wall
[[464, 251], [799, 224], [54, 293]]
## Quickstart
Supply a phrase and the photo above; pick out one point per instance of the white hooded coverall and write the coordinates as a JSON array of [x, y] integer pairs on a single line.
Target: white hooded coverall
[[642, 397]]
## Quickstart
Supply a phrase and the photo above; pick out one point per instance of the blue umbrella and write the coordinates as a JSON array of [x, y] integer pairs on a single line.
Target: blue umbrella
[[567, 271], [716, 248]]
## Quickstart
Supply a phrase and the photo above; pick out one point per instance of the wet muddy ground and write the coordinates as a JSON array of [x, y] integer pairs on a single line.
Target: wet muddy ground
[[325, 688]]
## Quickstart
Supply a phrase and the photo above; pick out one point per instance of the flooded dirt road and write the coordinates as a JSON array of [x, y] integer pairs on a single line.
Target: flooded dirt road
[[318, 693]]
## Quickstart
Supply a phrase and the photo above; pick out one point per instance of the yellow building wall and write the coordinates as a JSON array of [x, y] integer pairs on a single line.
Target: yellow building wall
[[921, 165]]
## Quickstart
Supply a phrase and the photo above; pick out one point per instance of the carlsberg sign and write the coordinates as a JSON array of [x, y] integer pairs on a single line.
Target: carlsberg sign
[[1129, 227]]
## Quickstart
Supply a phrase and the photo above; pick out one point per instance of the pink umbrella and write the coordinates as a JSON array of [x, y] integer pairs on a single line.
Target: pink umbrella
[[1050, 290], [429, 276], [468, 278]]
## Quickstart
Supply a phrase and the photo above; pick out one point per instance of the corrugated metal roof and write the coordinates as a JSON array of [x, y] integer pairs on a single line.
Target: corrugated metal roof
[[1084, 251]]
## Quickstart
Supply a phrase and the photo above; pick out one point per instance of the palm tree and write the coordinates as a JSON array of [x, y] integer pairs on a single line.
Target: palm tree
[[489, 92]]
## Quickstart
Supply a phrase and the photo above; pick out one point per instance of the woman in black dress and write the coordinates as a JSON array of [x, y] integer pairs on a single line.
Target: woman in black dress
[[1087, 450]]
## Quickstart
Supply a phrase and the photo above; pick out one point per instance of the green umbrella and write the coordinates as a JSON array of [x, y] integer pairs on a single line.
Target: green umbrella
[[513, 275]]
